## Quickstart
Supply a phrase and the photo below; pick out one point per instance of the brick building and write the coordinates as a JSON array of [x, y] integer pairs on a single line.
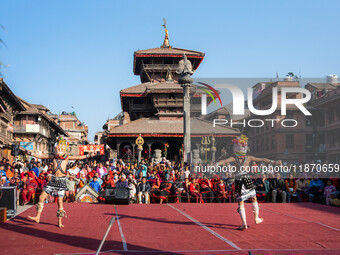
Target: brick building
[[35, 129], [276, 141], [9, 106], [316, 137], [323, 138], [75, 129]]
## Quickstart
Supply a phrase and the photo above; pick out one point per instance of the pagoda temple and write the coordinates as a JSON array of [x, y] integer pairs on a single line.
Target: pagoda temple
[[154, 108]]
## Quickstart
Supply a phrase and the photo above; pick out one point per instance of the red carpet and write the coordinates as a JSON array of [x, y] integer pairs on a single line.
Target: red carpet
[[298, 228]]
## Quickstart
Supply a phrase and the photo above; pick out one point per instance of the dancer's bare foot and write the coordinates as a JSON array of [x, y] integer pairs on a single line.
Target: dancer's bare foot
[[36, 219], [60, 224], [258, 220], [243, 227]]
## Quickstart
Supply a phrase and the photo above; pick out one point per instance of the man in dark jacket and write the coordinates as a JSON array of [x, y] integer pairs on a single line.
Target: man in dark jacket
[[277, 186], [143, 190]]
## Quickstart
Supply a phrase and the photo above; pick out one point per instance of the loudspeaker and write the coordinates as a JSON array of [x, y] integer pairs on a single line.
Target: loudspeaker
[[122, 196], [109, 192], [15, 150], [121, 193], [8, 199], [109, 195], [117, 196]]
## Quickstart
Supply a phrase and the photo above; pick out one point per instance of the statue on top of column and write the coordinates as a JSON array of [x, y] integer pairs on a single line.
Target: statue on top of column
[[185, 66]]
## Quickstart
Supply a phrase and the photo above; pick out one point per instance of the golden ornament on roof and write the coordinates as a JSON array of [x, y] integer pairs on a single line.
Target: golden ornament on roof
[[140, 140]]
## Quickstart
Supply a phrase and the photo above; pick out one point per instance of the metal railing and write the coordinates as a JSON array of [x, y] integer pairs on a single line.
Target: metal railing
[[164, 67]]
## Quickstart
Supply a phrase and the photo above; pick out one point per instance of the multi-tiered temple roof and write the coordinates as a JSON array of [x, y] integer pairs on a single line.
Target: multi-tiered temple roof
[[154, 108]]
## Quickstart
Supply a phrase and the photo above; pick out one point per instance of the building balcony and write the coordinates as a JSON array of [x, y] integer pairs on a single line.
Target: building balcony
[[160, 67], [319, 148], [6, 116], [144, 107], [164, 102], [30, 129]]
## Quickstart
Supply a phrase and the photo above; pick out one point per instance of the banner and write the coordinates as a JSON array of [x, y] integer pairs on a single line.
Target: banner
[[32, 128], [27, 145], [10, 127], [91, 148]]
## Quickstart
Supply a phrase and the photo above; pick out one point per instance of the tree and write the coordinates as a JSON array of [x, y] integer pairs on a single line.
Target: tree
[[291, 74], [2, 43]]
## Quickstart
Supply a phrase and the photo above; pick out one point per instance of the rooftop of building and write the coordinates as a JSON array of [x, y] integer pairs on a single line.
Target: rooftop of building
[[165, 51], [326, 98], [159, 87], [323, 85], [269, 84], [263, 89], [178, 52], [228, 110], [41, 107], [17, 105], [170, 128], [31, 109]]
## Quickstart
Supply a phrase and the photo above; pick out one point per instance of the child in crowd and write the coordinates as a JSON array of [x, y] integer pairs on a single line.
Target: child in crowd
[[95, 184], [334, 199], [70, 193], [329, 189]]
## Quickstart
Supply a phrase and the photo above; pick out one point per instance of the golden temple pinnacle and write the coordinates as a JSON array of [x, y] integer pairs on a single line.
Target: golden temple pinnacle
[[166, 39]]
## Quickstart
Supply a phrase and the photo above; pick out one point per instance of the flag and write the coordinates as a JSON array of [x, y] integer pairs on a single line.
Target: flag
[[277, 75]]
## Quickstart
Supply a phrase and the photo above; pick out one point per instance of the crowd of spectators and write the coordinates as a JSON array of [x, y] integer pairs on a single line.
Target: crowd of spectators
[[165, 181]]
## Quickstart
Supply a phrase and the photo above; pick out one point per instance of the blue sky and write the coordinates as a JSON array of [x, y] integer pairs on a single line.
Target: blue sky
[[80, 53]]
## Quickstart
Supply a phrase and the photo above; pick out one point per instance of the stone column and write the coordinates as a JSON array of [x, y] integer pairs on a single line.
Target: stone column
[[213, 149], [118, 150], [186, 121], [213, 152], [149, 150], [185, 69], [139, 149], [133, 151]]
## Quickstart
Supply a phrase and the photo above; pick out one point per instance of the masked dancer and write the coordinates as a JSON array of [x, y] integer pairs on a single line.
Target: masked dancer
[[244, 187], [57, 185]]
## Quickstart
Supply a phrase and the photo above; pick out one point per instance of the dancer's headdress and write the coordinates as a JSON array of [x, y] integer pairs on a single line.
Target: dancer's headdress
[[61, 140], [242, 139]]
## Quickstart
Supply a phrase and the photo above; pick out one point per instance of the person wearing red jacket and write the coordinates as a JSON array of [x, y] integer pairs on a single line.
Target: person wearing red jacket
[[108, 182], [30, 187], [335, 182], [92, 173], [155, 184], [41, 182], [194, 192], [222, 190], [206, 190], [164, 191], [215, 181]]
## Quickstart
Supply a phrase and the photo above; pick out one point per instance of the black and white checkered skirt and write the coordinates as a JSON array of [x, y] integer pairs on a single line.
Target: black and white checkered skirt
[[244, 187], [245, 194], [56, 186]]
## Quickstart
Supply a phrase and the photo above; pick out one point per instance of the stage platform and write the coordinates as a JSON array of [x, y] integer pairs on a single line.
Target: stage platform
[[297, 228]]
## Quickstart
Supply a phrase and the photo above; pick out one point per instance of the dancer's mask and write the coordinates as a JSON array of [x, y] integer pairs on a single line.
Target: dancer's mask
[[61, 146], [240, 145]]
